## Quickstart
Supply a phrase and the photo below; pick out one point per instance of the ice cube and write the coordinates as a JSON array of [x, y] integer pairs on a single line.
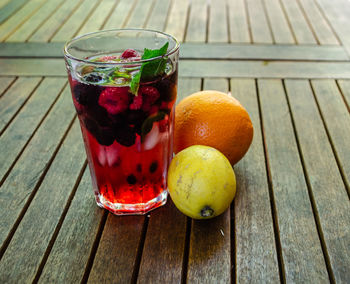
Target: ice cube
[[112, 155], [152, 138]]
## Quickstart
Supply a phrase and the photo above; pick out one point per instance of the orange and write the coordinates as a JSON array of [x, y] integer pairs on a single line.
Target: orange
[[214, 119]]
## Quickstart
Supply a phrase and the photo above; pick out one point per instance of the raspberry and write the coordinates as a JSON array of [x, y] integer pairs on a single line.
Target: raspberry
[[130, 53], [114, 99], [150, 94], [137, 103]]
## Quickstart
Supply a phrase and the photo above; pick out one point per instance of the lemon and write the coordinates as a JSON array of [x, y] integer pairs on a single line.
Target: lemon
[[201, 182]]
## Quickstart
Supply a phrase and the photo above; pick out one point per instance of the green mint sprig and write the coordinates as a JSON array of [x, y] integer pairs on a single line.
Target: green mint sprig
[[150, 69]]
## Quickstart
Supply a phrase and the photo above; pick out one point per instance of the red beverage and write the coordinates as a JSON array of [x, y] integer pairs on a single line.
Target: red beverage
[[127, 131]]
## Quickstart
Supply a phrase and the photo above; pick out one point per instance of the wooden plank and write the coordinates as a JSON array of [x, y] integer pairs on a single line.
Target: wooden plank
[[98, 17], [176, 24], [279, 25], [259, 69], [117, 251], [5, 83], [209, 259], [301, 29], [12, 23], [197, 22], [328, 190], [187, 86], [164, 245], [255, 249], [70, 253], [119, 15], [209, 256], [301, 249], [258, 22], [70, 28], [15, 97], [320, 26], [218, 84], [20, 184], [38, 19], [217, 29], [345, 89], [9, 7], [199, 68], [139, 14], [159, 14], [337, 14], [337, 120], [239, 30], [25, 252], [25, 123], [202, 51], [46, 31]]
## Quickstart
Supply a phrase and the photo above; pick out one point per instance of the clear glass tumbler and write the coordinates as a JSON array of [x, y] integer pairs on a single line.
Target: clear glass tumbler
[[124, 87]]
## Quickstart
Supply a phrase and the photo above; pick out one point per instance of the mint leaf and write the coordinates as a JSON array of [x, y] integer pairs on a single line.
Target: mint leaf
[[147, 125], [150, 69], [135, 82]]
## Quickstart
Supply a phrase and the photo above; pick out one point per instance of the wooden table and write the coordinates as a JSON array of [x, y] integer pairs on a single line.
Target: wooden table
[[286, 61]]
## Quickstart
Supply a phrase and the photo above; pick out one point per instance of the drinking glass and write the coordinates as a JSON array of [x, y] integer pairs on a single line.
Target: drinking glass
[[124, 87]]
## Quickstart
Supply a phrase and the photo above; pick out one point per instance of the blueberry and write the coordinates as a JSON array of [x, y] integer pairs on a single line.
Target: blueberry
[[106, 136], [153, 167], [131, 179], [125, 135], [139, 168]]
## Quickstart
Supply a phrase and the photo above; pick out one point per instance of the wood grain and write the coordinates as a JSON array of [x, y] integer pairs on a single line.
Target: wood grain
[[47, 31], [26, 250], [23, 14], [9, 7], [301, 249], [255, 249], [279, 25], [197, 22], [5, 83], [239, 29], [139, 14], [98, 17], [337, 120], [326, 183], [320, 26], [15, 97], [187, 86], [37, 20], [70, 253], [119, 15], [300, 27], [25, 123], [176, 24], [23, 179], [164, 244], [158, 17], [217, 27], [345, 89], [117, 251], [258, 22], [70, 27]]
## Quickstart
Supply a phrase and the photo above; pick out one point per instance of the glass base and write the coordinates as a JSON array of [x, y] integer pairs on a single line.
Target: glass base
[[132, 209]]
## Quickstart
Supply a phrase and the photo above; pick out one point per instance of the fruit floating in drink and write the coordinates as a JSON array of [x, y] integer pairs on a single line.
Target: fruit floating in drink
[[125, 104]]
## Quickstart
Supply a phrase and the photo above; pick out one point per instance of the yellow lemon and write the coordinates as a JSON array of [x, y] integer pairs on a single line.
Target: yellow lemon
[[201, 182]]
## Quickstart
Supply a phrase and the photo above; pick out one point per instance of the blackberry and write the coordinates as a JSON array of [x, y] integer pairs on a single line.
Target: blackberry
[[125, 135], [94, 78], [131, 179], [86, 94], [105, 136], [153, 167]]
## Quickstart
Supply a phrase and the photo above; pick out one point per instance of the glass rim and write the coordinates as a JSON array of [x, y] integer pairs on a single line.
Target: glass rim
[[82, 60]]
